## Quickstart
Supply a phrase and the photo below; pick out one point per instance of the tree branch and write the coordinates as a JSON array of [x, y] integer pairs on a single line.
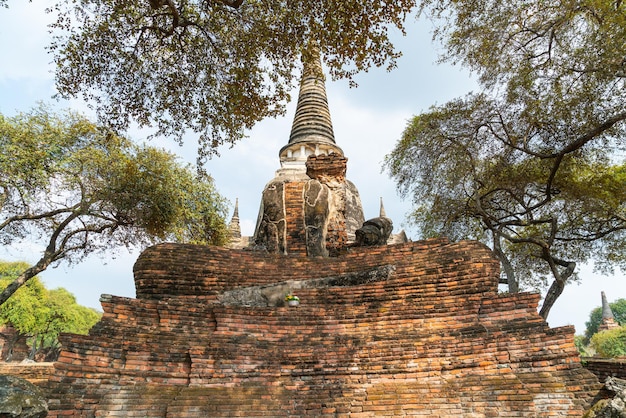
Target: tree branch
[[44, 215], [591, 134]]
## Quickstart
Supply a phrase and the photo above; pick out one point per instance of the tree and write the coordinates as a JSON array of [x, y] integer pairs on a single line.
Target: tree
[[531, 164], [595, 317], [61, 313], [42, 314], [78, 188], [581, 346], [21, 311], [214, 67], [610, 343]]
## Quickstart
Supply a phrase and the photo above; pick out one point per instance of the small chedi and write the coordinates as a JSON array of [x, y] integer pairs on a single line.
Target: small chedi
[[400, 329], [608, 319]]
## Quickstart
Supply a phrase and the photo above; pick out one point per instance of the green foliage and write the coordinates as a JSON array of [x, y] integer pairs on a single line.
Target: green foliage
[[78, 188], [24, 311], [595, 317], [215, 67], [610, 343], [63, 314], [170, 201], [530, 165], [581, 345], [40, 313]]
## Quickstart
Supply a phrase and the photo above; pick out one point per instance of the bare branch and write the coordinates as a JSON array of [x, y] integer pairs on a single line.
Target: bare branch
[[43, 215], [590, 135]]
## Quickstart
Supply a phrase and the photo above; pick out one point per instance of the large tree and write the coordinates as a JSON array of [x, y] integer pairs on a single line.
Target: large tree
[[533, 164], [40, 314], [215, 67], [76, 188]]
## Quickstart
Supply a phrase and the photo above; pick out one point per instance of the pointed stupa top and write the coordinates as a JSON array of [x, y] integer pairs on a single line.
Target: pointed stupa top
[[382, 213], [607, 313], [608, 320], [312, 128], [234, 228], [236, 211], [312, 121]]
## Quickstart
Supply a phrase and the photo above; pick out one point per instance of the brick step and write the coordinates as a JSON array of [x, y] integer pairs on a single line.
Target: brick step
[[314, 317], [433, 338], [303, 352], [132, 402], [210, 272]]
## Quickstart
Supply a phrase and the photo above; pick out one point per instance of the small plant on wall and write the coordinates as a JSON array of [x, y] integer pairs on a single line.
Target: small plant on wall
[[292, 300]]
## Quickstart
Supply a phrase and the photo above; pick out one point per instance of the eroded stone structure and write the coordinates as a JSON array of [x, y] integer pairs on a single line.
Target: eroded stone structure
[[608, 319], [310, 207], [13, 345], [428, 335], [411, 329]]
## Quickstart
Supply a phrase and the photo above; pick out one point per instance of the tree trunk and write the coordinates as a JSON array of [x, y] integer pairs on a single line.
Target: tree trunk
[[557, 286], [33, 349], [555, 290], [51, 254], [28, 274], [506, 264], [7, 351]]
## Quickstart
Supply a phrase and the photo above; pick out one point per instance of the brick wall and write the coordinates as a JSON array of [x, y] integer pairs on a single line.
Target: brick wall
[[294, 210], [35, 373], [432, 339], [13, 345], [604, 368], [327, 167]]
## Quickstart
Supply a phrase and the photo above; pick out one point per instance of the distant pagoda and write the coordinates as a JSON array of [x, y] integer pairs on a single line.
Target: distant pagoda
[[608, 319]]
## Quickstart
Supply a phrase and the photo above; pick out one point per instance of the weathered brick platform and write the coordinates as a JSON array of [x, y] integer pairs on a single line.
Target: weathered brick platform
[[36, 373], [430, 337]]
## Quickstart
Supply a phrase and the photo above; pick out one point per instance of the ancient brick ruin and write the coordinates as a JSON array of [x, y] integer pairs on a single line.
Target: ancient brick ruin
[[305, 214], [606, 367], [410, 329], [309, 207], [13, 345]]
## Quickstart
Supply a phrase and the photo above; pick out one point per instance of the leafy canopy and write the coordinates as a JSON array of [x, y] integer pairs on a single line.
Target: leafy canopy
[[533, 163], [77, 188], [24, 311], [610, 343], [42, 314], [215, 67]]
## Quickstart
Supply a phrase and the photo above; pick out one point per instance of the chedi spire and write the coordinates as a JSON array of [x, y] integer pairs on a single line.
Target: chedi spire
[[608, 320], [310, 207], [312, 122], [312, 128], [382, 212], [235, 240], [234, 229]]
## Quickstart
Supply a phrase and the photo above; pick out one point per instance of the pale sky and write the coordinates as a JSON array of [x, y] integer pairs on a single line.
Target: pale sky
[[367, 121]]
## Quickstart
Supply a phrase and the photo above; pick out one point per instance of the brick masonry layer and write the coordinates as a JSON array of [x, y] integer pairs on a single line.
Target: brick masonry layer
[[606, 367], [36, 373], [431, 339]]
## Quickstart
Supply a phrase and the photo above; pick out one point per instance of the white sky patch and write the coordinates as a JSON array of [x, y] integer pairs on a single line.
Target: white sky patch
[[24, 32], [366, 135]]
